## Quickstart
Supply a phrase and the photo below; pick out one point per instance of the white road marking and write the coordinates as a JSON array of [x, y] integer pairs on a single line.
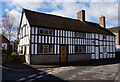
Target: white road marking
[[30, 80], [50, 72], [40, 76], [41, 72], [21, 79], [32, 75]]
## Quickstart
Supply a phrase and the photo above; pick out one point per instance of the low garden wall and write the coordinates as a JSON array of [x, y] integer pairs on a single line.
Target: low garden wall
[[13, 59]]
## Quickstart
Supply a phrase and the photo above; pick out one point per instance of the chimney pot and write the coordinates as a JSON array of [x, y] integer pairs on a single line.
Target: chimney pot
[[81, 15], [102, 21]]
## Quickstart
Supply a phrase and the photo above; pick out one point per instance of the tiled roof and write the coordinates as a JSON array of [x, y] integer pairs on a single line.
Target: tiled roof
[[57, 22]]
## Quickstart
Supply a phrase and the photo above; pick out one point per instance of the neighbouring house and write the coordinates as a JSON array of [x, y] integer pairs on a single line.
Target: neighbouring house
[[116, 30], [47, 38], [14, 45], [5, 45]]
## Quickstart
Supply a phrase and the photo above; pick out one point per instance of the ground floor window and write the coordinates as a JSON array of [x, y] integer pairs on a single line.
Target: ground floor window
[[45, 49], [80, 49]]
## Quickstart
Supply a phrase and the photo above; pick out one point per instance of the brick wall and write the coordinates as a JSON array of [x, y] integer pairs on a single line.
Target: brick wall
[[13, 59], [4, 40]]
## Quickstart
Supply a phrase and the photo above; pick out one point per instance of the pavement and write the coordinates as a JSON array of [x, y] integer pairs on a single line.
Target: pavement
[[95, 70]]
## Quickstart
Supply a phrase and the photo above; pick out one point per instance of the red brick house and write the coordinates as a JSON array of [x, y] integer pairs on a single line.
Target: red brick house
[[116, 30], [5, 44]]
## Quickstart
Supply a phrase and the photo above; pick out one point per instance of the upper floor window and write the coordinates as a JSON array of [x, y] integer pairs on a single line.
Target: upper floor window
[[46, 31], [51, 32], [45, 49], [41, 31], [80, 35], [80, 49]]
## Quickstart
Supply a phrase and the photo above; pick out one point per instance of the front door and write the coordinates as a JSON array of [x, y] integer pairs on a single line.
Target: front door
[[63, 53]]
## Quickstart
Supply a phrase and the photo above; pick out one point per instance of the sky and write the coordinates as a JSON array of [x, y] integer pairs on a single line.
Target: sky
[[66, 8]]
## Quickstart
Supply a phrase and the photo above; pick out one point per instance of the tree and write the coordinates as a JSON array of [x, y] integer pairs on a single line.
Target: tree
[[8, 23]]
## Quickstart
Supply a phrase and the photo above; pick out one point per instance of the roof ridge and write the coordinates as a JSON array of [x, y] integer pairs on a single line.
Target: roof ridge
[[54, 21], [52, 15]]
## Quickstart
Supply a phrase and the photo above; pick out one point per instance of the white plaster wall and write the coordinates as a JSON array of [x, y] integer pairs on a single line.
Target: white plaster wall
[[26, 39], [27, 49]]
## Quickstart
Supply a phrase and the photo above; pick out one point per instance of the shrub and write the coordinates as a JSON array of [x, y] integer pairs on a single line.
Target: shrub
[[21, 51], [14, 53]]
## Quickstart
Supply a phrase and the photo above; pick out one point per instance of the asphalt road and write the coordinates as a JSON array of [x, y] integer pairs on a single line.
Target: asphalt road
[[63, 73]]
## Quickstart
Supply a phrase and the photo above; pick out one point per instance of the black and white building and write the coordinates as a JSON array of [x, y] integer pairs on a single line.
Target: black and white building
[[47, 38]]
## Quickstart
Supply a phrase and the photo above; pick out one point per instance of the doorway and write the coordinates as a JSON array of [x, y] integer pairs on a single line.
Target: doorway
[[63, 54]]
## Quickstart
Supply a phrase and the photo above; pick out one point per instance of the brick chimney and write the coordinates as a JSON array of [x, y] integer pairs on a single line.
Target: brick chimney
[[102, 21], [81, 15]]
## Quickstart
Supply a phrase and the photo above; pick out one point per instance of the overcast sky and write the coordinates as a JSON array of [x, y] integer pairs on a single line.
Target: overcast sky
[[66, 8]]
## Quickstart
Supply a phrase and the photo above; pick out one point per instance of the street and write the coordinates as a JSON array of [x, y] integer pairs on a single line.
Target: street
[[63, 73]]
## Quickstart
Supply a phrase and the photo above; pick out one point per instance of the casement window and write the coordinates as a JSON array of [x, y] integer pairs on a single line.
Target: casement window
[[46, 31], [77, 34], [80, 35], [80, 49], [51, 32], [45, 49], [41, 31]]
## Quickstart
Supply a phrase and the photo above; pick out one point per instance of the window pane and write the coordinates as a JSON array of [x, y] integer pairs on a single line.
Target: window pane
[[45, 48], [45, 31], [60, 32], [40, 48], [36, 39], [41, 31], [42, 39], [50, 48], [39, 39], [46, 39], [77, 34], [51, 32]]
